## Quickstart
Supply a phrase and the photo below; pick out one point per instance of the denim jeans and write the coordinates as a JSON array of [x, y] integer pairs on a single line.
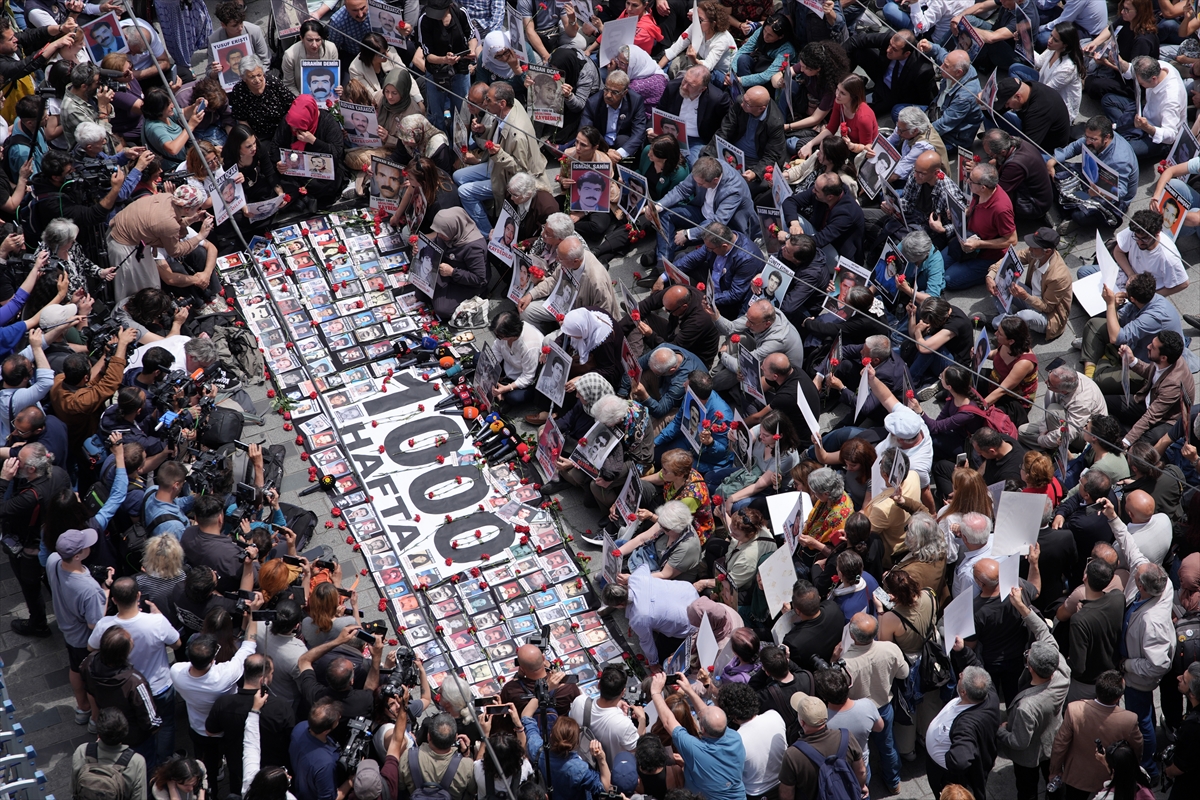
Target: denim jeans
[[895, 17], [673, 218], [440, 102], [164, 747], [474, 188], [964, 270], [1034, 319], [927, 367], [883, 744], [1023, 71], [1142, 703]]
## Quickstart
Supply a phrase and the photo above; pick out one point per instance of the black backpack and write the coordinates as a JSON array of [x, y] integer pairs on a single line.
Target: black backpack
[[437, 791], [835, 779], [933, 665], [1187, 640]]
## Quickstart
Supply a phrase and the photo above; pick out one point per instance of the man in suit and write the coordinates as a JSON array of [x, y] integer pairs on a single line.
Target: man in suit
[[1073, 756], [687, 326], [1166, 379], [837, 225], [729, 261], [620, 116], [714, 192], [754, 126], [960, 744], [955, 112], [700, 103], [901, 76], [513, 151], [813, 272]]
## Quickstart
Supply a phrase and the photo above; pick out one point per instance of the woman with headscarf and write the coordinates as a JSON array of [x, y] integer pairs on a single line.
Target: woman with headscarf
[[581, 80], [371, 69], [418, 137], [463, 272], [723, 619], [593, 392], [308, 129], [645, 76], [427, 190], [259, 100], [497, 57], [399, 101], [596, 340]]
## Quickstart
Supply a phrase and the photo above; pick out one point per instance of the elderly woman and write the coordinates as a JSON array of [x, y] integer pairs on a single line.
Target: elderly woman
[[463, 271], [890, 509], [750, 543], [259, 100], [312, 46], [714, 50], [162, 569], [924, 554], [606, 486], [371, 68], [418, 138], [679, 481], [670, 546], [533, 202], [771, 461], [163, 132], [825, 525], [644, 75], [60, 239], [308, 128], [723, 619], [427, 191], [595, 338]]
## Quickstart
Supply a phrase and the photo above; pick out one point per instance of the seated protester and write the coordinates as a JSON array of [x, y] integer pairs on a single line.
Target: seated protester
[[999, 35], [665, 168], [782, 384], [1036, 110], [1135, 324], [1071, 398], [306, 127], [628, 419], [729, 262], [1136, 33], [375, 61], [534, 204], [942, 334], [464, 269], [1166, 383], [1023, 174], [1042, 296], [260, 100], [927, 192], [750, 543], [837, 224], [890, 510], [770, 463], [715, 456], [597, 225], [765, 50], [1164, 111], [914, 135], [1101, 453], [593, 286], [160, 222], [689, 204], [312, 46], [959, 418], [701, 102], [812, 272], [859, 325], [417, 136], [680, 481], [992, 228], [1155, 253], [902, 78], [518, 345], [1115, 151], [1163, 482], [852, 118], [955, 110], [824, 529], [165, 508], [772, 334], [688, 324], [857, 538], [665, 369], [1014, 371], [619, 114], [669, 547], [889, 370], [1088, 528], [761, 141], [645, 76], [218, 115], [205, 544], [427, 190], [818, 69], [578, 420], [260, 180], [579, 72]]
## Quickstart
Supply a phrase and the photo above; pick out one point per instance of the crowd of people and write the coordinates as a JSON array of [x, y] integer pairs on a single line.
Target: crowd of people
[[815, 277]]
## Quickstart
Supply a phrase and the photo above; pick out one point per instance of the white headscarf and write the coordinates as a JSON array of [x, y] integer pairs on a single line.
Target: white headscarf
[[587, 330], [493, 43]]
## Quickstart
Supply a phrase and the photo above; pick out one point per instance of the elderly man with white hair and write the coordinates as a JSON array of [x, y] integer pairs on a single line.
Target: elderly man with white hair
[[665, 370], [960, 743], [974, 533], [657, 612], [1071, 397], [713, 762], [593, 287], [1148, 646], [534, 205]]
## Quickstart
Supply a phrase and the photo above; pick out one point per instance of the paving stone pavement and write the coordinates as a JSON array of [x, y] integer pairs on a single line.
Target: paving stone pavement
[[35, 671]]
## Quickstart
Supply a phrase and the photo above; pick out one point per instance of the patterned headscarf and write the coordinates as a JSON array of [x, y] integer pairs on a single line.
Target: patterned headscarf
[[590, 387]]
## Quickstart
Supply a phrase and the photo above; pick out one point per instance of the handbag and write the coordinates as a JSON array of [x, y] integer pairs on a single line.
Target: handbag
[[739, 480]]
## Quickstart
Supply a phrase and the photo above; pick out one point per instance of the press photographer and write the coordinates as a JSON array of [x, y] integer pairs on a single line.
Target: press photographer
[[94, 165], [205, 543], [130, 416], [155, 314], [87, 100], [166, 507], [61, 240], [59, 193], [31, 425], [24, 384], [80, 393]]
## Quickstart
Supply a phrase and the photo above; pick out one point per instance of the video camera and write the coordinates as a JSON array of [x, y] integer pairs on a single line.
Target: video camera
[[101, 340], [111, 79], [355, 748], [209, 474], [92, 178], [405, 674]]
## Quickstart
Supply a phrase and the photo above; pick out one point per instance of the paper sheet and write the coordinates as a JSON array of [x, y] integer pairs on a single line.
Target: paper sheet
[[959, 619], [617, 34], [706, 643], [814, 426], [1087, 292], [864, 391], [1018, 520], [780, 506], [783, 626], [1108, 265], [1010, 575], [778, 577]]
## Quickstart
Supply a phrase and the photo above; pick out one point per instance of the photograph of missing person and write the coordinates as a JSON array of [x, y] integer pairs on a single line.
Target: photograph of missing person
[[228, 55], [103, 37], [592, 180], [320, 78]]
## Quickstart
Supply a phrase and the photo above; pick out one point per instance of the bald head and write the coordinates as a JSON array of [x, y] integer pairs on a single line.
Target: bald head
[[777, 364], [758, 96], [862, 628], [761, 315], [929, 161], [713, 722], [956, 63], [986, 573], [1140, 506], [531, 661], [1104, 552], [675, 299]]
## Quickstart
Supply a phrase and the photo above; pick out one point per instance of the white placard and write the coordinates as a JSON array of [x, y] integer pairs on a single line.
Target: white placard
[[814, 425], [1010, 575], [1018, 520], [864, 391], [1108, 265], [783, 627], [778, 577], [617, 34], [779, 508], [959, 619], [706, 644], [1087, 292]]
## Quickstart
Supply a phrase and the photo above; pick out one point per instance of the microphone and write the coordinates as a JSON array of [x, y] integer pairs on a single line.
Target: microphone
[[449, 368]]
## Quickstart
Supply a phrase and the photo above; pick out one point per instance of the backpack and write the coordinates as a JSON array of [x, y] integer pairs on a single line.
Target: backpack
[[438, 791], [237, 350], [586, 736], [103, 781], [995, 419], [130, 542], [1187, 640], [224, 426], [835, 779], [932, 664]]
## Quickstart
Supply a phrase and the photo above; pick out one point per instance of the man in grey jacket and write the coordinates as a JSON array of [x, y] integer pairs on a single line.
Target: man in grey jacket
[[772, 333], [1036, 712], [1148, 644]]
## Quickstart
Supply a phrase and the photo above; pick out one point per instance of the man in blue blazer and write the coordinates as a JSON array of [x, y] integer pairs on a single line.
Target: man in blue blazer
[[619, 114], [714, 192], [729, 261]]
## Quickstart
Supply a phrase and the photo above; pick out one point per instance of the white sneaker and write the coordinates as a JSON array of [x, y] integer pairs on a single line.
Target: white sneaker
[[1077, 343]]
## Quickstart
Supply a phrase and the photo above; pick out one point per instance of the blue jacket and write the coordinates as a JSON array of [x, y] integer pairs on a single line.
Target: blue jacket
[[1140, 326], [631, 120], [731, 286], [570, 776], [177, 510], [671, 387], [1118, 155], [732, 204], [961, 113], [714, 456]]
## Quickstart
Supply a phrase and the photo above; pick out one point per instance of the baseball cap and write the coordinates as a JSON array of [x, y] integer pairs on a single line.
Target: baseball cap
[[903, 423], [53, 316], [73, 542], [368, 785], [624, 773], [1044, 238], [809, 709], [1005, 89]]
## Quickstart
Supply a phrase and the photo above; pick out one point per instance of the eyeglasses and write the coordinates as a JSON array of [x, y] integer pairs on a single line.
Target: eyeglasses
[[614, 92]]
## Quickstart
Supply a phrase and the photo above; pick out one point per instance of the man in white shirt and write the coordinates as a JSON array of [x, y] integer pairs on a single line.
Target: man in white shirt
[[200, 681], [975, 533], [1071, 396], [764, 737], [518, 346], [1164, 111], [1152, 532], [609, 717], [656, 610], [908, 431]]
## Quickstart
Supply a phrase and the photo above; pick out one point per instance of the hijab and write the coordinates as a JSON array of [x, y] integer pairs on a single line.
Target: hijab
[[588, 329], [493, 43], [303, 115], [456, 226], [724, 620], [429, 138], [590, 387], [400, 79]]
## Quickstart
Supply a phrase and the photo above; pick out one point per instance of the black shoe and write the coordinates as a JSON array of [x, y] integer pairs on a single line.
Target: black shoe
[[648, 260], [553, 487], [24, 627], [1191, 319]]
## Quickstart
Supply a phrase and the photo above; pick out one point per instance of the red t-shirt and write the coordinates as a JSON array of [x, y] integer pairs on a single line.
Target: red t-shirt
[[647, 34], [861, 130], [991, 220]]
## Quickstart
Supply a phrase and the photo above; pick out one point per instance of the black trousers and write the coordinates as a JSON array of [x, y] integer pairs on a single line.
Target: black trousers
[[29, 573], [1027, 779]]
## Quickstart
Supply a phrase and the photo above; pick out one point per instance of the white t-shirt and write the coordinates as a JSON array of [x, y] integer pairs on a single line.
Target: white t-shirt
[[937, 738], [481, 781], [151, 634], [1163, 262], [765, 741], [612, 727]]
